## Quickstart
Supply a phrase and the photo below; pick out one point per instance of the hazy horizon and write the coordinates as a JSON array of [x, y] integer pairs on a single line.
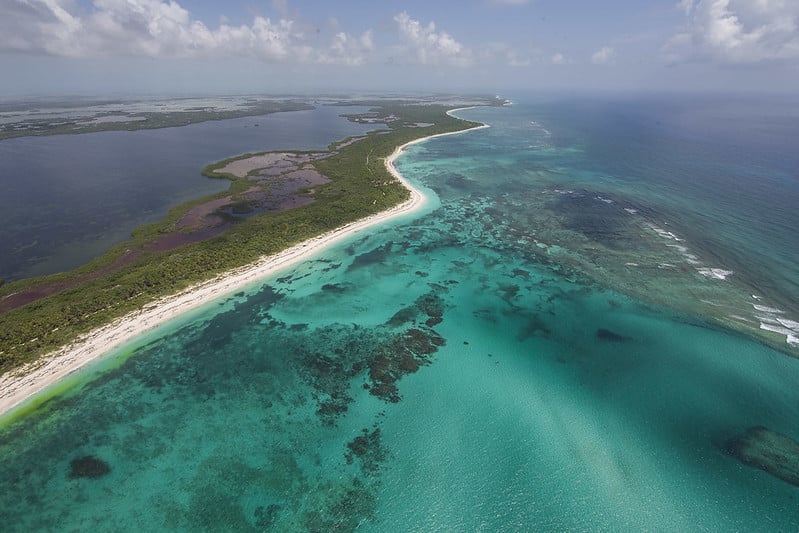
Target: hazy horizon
[[199, 47]]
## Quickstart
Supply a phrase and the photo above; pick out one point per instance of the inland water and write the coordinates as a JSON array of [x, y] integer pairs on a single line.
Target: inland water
[[68, 198]]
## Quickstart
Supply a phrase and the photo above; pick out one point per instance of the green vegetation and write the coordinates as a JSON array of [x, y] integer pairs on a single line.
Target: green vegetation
[[132, 275], [143, 120]]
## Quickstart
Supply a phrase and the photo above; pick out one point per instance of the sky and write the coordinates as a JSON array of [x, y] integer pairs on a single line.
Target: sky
[[104, 47]]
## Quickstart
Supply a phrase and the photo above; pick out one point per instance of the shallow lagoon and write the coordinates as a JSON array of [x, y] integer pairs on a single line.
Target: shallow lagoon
[[68, 198], [454, 371]]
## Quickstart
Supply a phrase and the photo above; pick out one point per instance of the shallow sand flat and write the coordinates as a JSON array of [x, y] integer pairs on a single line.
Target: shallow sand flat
[[21, 384], [241, 167]]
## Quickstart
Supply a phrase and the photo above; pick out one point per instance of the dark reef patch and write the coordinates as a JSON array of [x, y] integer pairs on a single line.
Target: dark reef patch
[[508, 292], [486, 315], [768, 450], [377, 255], [460, 182], [403, 316], [329, 376], [520, 273], [336, 288], [265, 517], [403, 354], [431, 303], [88, 466], [331, 357], [610, 336], [333, 266], [534, 327], [368, 448]]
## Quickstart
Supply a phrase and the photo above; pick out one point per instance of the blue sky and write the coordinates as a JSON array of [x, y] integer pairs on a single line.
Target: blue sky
[[204, 46]]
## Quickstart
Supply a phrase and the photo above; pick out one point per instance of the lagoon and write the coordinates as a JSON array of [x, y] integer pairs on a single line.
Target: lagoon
[[68, 198]]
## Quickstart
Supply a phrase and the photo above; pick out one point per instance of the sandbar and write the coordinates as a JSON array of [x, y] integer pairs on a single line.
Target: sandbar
[[19, 385]]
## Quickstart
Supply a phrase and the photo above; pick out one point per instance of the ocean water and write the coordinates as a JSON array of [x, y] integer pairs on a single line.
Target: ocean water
[[490, 364], [68, 198]]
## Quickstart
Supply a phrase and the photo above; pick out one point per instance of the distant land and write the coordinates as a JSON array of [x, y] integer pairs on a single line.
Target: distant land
[[65, 117], [58, 116]]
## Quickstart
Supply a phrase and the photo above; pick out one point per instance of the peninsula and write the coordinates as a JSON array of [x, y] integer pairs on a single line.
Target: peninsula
[[281, 208], [38, 118]]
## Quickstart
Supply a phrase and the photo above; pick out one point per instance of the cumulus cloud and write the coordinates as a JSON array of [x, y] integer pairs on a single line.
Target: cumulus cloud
[[429, 47], [736, 31], [348, 50], [603, 56], [32, 26], [158, 28]]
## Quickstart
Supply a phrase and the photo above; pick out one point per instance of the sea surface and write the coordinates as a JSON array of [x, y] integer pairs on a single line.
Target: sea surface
[[547, 346], [68, 198]]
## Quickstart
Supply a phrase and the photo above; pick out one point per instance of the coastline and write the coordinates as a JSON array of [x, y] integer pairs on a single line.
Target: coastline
[[21, 385]]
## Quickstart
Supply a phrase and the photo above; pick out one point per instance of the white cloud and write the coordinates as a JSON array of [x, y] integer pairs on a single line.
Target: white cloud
[[428, 46], [603, 56], [156, 28], [348, 50], [33, 26], [736, 31], [557, 59]]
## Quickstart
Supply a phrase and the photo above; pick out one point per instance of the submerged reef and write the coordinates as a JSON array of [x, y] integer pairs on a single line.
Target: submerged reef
[[595, 235], [768, 450], [368, 448], [402, 354], [88, 466], [611, 336], [382, 355], [345, 508], [382, 358]]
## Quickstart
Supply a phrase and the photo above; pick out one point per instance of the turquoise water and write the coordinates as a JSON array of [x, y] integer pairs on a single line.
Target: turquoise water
[[484, 365]]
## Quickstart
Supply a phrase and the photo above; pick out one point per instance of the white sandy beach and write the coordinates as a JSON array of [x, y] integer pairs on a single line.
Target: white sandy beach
[[20, 385]]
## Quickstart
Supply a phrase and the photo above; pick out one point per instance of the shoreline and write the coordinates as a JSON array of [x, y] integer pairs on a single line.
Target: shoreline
[[19, 386]]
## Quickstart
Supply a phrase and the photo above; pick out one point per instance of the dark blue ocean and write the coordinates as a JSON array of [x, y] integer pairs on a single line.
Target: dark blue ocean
[[598, 301]]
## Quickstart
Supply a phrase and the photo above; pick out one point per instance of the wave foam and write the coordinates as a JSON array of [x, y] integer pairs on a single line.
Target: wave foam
[[715, 273], [764, 309], [790, 324], [777, 329], [771, 321], [665, 234], [540, 127]]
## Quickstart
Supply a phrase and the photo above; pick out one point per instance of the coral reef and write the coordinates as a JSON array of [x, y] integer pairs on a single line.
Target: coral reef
[[88, 466], [368, 448], [768, 450]]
